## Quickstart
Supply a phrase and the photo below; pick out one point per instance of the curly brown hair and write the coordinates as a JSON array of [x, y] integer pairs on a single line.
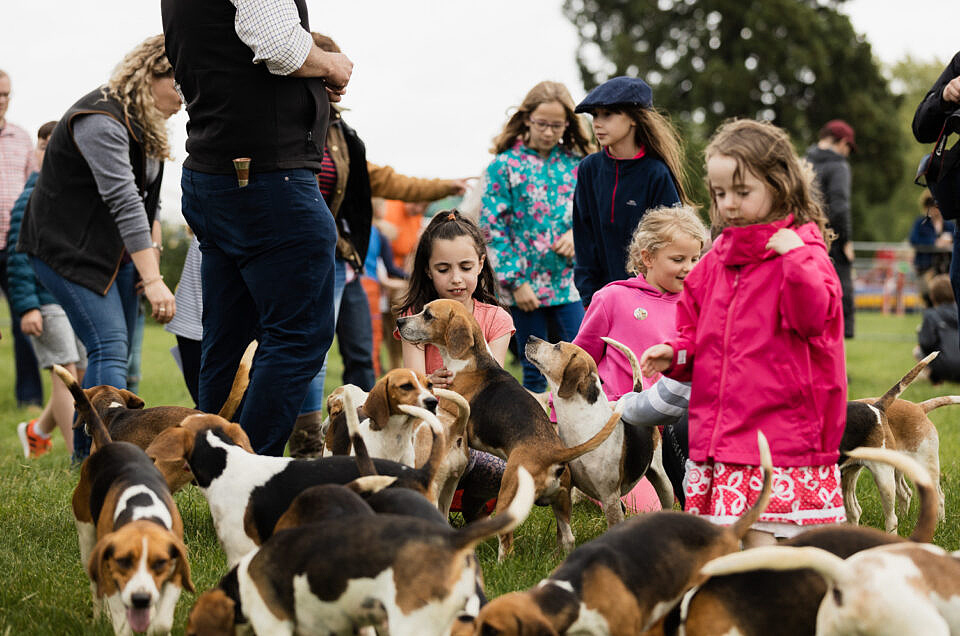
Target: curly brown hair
[[131, 84], [765, 151], [576, 138]]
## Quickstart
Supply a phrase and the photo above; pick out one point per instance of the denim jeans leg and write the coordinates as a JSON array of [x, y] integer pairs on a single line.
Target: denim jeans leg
[[530, 323], [268, 270], [567, 319], [355, 337], [314, 400], [28, 387], [103, 323]]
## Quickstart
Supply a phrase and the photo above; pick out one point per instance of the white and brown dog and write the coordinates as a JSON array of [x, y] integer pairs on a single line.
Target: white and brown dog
[[129, 530], [505, 419], [626, 578], [896, 424], [613, 468], [403, 575], [387, 421]]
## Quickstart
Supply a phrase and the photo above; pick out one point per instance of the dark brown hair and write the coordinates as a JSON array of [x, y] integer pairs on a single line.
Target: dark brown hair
[[448, 225], [766, 152], [46, 130], [576, 137]]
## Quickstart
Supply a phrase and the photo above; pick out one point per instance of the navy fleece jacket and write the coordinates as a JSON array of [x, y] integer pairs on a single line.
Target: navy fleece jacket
[[612, 196]]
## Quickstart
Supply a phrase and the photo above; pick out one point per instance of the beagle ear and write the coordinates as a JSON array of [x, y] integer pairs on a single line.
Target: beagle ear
[[238, 435], [573, 374], [458, 337], [132, 400], [377, 405], [172, 445], [97, 567], [181, 573]]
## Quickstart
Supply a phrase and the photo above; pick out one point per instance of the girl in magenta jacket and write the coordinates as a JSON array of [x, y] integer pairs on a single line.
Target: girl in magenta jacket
[[760, 335]]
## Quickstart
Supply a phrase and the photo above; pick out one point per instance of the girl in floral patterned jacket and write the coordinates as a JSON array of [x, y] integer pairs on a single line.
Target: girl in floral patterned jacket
[[527, 216]]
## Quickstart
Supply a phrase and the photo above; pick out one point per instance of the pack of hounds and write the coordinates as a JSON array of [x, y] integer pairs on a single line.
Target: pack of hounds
[[357, 541]]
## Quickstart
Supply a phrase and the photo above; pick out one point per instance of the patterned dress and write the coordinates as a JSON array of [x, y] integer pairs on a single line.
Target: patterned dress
[[527, 206]]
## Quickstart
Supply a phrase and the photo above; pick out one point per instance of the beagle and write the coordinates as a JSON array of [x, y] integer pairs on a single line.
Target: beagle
[[889, 422], [126, 420], [129, 530], [387, 424], [454, 413], [400, 574], [785, 602], [900, 588], [613, 468], [505, 419], [248, 493], [624, 579]]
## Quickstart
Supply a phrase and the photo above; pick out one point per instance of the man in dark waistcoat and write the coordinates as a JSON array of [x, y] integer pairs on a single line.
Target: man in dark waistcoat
[[256, 88]]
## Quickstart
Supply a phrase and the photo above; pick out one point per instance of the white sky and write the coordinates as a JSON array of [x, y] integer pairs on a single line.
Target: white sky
[[433, 79]]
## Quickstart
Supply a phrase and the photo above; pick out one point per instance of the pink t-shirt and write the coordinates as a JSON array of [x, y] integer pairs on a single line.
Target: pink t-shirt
[[495, 322]]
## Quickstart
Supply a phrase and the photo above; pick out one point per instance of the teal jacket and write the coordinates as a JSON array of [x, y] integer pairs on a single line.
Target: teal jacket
[[26, 292]]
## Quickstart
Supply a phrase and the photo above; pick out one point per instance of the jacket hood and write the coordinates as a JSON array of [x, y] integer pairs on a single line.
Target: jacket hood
[[639, 283], [824, 155], [748, 244], [947, 312]]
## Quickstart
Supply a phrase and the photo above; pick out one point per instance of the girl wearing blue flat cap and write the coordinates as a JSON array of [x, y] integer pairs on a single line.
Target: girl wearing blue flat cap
[[639, 167]]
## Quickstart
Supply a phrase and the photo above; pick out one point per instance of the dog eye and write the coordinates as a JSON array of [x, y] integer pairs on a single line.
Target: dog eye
[[124, 563], [407, 387], [427, 315], [160, 565]]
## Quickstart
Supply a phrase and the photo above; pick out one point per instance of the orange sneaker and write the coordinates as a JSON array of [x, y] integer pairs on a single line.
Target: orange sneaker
[[33, 445]]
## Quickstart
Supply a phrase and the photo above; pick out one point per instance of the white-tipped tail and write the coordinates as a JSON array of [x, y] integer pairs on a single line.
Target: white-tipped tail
[[631, 356], [930, 357], [904, 463], [766, 460], [350, 411], [522, 502], [371, 483], [424, 415], [456, 398], [827, 564]]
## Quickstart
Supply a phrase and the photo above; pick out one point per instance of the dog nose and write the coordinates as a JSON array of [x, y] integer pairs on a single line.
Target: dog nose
[[140, 600], [430, 404]]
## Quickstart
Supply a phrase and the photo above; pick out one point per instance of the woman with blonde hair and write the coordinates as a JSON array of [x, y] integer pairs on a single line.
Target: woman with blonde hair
[[527, 215], [91, 226]]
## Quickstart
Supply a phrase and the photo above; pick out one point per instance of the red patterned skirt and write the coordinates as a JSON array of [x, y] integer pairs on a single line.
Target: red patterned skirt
[[802, 495]]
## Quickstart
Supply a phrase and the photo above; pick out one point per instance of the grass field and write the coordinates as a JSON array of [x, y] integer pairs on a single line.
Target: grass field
[[45, 591]]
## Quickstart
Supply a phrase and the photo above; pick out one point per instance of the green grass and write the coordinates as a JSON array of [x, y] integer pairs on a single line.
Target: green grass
[[45, 590]]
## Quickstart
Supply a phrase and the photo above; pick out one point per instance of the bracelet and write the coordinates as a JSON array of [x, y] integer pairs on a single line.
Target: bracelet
[[157, 246], [152, 280]]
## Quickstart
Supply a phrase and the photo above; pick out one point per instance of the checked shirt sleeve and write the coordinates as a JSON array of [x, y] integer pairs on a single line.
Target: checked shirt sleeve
[[273, 32]]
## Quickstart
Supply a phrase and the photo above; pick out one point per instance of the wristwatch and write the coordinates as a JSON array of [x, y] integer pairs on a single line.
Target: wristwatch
[[157, 246]]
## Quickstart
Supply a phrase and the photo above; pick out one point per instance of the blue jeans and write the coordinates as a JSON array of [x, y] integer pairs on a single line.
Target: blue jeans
[[105, 325], [355, 337], [314, 400], [268, 273], [566, 318], [28, 387]]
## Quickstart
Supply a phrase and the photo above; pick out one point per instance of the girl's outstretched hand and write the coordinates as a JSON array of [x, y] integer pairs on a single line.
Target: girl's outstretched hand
[[784, 240], [656, 359]]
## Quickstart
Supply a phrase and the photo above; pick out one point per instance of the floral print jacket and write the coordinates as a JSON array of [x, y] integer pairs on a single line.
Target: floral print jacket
[[527, 206]]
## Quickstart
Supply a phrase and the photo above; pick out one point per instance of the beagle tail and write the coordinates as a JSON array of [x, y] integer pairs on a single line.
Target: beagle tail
[[742, 525], [631, 356], [929, 501], [428, 472], [365, 464], [463, 410], [240, 382], [776, 557], [569, 454], [473, 533], [937, 402], [887, 399], [95, 426]]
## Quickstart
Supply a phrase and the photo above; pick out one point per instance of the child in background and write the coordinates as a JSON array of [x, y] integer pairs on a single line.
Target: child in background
[[760, 333], [450, 262], [639, 167], [526, 214], [938, 332], [640, 312], [45, 322]]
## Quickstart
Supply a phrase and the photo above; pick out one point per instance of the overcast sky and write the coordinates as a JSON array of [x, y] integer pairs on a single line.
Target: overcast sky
[[433, 79]]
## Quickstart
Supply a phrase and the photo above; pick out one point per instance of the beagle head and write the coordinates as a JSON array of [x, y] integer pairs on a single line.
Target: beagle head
[[106, 398], [172, 448], [569, 369], [399, 386], [136, 562], [214, 614], [447, 325], [513, 614]]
